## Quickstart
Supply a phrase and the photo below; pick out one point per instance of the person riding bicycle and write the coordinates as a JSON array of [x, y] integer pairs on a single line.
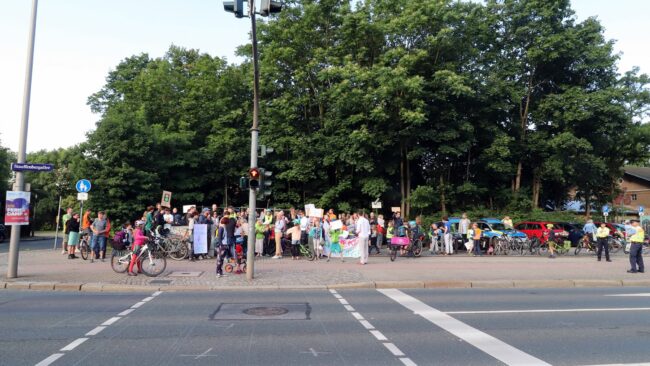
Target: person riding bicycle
[[590, 231], [139, 239], [551, 240]]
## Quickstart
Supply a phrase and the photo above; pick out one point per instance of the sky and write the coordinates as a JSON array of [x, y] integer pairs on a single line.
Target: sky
[[79, 41]]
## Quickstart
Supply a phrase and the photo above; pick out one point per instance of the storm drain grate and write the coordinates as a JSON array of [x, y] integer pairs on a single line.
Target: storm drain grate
[[185, 274], [248, 311], [160, 282]]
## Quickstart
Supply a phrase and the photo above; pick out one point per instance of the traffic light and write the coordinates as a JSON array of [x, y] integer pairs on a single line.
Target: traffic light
[[264, 150], [268, 7], [236, 6], [265, 183], [243, 183], [254, 178]]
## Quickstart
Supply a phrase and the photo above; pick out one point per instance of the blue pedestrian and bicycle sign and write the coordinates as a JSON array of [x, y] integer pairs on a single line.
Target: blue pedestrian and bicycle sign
[[29, 167], [83, 185]]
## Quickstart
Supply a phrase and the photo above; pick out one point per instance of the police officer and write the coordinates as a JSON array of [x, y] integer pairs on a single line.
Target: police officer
[[602, 234], [636, 257]]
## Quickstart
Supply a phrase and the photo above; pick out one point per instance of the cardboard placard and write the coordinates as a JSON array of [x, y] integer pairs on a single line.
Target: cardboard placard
[[166, 200], [200, 239]]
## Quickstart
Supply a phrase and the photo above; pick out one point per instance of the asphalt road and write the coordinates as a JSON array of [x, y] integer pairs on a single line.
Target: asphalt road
[[320, 327], [27, 245]]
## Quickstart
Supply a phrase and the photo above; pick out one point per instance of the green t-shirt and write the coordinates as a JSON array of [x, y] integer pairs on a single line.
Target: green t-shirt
[[259, 231]]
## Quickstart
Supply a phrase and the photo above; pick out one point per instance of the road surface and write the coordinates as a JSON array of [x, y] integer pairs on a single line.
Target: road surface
[[326, 327]]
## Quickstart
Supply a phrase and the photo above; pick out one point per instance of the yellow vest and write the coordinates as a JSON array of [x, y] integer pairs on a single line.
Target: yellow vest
[[639, 236]]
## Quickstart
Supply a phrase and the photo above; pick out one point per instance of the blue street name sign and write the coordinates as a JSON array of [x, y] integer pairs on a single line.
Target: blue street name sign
[[83, 186], [29, 167]]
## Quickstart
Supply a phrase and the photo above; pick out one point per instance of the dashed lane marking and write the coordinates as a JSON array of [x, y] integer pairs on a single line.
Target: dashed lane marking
[[126, 312], [95, 331], [48, 361], [111, 321], [392, 348], [483, 341], [74, 344]]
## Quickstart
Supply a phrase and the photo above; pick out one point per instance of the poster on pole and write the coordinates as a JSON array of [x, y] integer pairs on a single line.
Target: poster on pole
[[17, 208], [166, 200], [200, 239]]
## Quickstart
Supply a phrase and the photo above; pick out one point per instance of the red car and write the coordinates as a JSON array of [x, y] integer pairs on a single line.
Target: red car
[[536, 229]]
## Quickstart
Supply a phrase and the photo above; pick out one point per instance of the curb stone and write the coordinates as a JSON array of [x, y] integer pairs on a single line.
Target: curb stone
[[92, 287], [492, 284], [351, 285], [626, 283], [399, 284], [67, 287], [597, 283], [3, 285], [42, 286], [447, 284], [544, 284], [18, 285], [128, 288]]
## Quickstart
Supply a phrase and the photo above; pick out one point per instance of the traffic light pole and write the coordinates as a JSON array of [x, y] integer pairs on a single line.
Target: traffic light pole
[[252, 200], [12, 268]]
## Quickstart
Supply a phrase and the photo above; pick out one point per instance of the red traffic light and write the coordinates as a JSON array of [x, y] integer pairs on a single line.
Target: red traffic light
[[254, 173]]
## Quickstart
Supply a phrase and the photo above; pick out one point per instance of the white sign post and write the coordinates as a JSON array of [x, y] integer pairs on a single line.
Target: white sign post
[[376, 205]]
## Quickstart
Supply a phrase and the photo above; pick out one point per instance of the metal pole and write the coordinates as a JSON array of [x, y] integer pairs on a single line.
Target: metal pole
[[250, 255], [58, 218], [12, 268]]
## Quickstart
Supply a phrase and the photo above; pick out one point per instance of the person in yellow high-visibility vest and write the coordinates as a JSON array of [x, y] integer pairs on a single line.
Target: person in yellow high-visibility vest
[[602, 234], [636, 257]]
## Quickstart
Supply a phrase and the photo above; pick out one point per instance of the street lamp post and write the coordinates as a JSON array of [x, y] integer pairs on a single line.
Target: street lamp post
[[12, 268]]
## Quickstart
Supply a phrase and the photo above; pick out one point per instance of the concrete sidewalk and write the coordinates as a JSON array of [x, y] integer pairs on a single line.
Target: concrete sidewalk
[[47, 269]]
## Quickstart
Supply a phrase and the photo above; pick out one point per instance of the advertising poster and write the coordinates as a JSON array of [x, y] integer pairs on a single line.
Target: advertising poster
[[17, 208], [200, 239]]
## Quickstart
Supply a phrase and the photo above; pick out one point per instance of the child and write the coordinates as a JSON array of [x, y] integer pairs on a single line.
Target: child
[[316, 234], [139, 239], [239, 250], [476, 236], [295, 240], [259, 237], [434, 238], [373, 239], [335, 245]]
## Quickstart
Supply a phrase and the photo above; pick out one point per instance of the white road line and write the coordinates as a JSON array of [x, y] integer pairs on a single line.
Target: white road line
[[348, 307], [379, 335], [366, 324], [137, 305], [95, 331], [338, 296], [111, 320], [156, 293], [357, 316], [333, 291], [344, 301], [646, 294], [394, 350], [126, 312], [485, 342], [147, 299], [544, 311], [48, 361], [74, 344], [407, 361], [625, 364]]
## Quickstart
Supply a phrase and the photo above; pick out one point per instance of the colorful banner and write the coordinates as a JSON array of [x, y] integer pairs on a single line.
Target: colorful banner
[[17, 208], [350, 248], [200, 239]]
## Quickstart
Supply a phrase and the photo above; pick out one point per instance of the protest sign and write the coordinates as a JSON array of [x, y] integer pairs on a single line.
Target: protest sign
[[336, 225], [200, 239]]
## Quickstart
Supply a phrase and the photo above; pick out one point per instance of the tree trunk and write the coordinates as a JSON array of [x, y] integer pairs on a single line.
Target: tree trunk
[[537, 183], [443, 205], [225, 192], [523, 118], [588, 204], [407, 190], [518, 177], [401, 178]]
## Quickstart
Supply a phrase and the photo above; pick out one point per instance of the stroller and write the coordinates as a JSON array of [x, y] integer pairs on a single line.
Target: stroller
[[239, 266]]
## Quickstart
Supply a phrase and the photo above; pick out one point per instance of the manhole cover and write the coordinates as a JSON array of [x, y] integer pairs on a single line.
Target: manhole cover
[[256, 311], [185, 274], [160, 282], [266, 311]]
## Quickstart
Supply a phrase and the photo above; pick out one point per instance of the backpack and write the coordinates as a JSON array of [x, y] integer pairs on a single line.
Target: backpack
[[119, 240]]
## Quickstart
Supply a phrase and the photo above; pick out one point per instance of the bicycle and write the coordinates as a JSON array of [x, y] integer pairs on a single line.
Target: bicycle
[[560, 247], [153, 262], [84, 247], [586, 243]]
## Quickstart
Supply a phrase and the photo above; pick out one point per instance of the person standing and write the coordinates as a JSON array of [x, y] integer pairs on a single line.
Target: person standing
[[178, 218], [149, 221], [66, 217], [169, 219], [590, 229], [316, 234], [72, 234], [636, 255], [363, 232], [446, 236], [259, 237], [602, 235], [381, 231], [434, 238], [100, 228], [507, 223], [397, 221], [476, 239], [222, 245], [463, 228], [280, 227]]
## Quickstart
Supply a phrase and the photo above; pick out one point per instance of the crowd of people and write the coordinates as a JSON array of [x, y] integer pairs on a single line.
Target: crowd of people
[[228, 231]]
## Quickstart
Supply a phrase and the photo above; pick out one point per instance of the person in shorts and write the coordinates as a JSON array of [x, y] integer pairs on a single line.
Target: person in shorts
[[66, 218], [335, 245], [72, 233]]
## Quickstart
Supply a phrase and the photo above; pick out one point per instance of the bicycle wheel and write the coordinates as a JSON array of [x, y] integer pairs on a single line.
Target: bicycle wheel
[[84, 250], [393, 254], [153, 263], [120, 260], [417, 248], [307, 252], [614, 245], [178, 251], [542, 249], [228, 268]]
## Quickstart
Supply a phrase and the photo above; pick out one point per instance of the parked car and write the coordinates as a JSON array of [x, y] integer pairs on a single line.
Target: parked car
[[536, 229], [493, 228], [574, 229]]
